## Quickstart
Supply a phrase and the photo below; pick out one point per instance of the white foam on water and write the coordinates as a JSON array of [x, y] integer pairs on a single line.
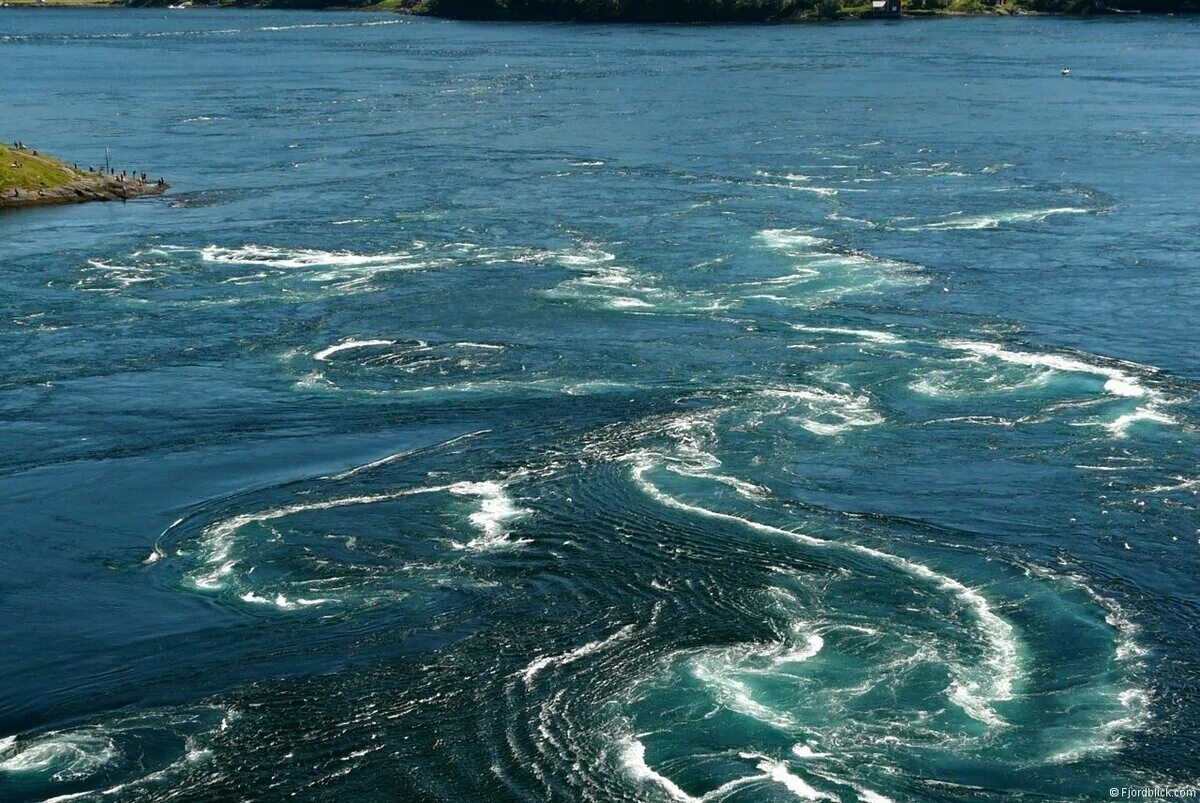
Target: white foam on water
[[824, 192], [813, 644], [689, 433], [1181, 484], [82, 795], [1119, 427], [975, 691], [778, 772], [294, 257], [282, 602], [997, 219], [621, 302], [624, 289], [1134, 700], [787, 176], [217, 540], [966, 695], [135, 726], [303, 26], [1136, 703], [862, 334], [605, 284], [951, 384], [719, 672], [392, 458], [831, 272], [496, 509], [327, 352], [584, 257], [66, 755], [829, 413], [563, 659], [120, 275], [1118, 382], [791, 239], [1087, 750], [633, 756]]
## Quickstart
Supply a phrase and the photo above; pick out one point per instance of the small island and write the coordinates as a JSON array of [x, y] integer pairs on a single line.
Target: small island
[[31, 178]]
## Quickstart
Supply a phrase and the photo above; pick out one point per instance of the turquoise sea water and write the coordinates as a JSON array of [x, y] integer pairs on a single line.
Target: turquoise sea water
[[526, 412]]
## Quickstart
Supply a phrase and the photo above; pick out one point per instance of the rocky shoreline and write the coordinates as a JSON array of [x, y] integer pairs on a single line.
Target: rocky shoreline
[[34, 179], [99, 188]]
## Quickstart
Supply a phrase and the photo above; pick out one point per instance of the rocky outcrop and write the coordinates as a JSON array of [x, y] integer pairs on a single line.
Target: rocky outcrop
[[85, 187]]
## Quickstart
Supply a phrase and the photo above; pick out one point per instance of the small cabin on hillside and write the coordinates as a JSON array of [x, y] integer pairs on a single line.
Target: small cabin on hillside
[[885, 9]]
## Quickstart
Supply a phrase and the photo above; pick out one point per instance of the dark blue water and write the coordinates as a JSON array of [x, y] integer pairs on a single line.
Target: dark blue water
[[616, 413]]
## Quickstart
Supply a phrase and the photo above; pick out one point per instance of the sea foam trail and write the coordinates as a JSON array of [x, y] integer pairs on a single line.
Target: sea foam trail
[[997, 219], [860, 334], [392, 458], [496, 509], [327, 352], [1118, 382], [973, 696], [735, 694], [542, 662], [217, 540], [822, 271], [1134, 700], [538, 664], [772, 771], [295, 257], [633, 756]]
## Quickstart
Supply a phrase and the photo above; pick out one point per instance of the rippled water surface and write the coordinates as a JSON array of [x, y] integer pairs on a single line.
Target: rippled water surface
[[502, 412]]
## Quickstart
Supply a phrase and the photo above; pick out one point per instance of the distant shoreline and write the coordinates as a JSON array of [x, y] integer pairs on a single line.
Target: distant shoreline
[[482, 12]]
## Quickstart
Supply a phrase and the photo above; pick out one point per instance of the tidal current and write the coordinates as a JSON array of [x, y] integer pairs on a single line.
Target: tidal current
[[552, 412]]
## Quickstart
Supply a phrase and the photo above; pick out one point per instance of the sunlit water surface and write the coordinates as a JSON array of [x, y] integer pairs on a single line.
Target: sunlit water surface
[[503, 412]]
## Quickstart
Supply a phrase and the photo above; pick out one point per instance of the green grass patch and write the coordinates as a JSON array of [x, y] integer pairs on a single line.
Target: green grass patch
[[20, 169]]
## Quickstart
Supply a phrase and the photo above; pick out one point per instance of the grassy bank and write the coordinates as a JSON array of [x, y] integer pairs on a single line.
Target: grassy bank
[[25, 170], [31, 178]]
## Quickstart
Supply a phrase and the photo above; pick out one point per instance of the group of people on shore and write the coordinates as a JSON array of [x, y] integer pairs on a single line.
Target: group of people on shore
[[123, 175], [21, 146]]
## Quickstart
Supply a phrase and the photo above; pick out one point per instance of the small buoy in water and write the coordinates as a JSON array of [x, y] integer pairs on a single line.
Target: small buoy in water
[[1066, 71]]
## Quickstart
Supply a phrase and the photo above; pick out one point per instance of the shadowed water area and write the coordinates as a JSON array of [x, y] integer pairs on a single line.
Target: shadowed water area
[[525, 412]]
